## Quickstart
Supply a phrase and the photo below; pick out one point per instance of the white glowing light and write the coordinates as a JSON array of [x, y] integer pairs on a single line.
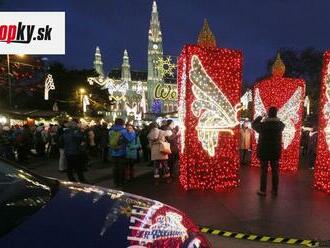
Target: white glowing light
[[182, 106], [100, 80], [218, 115], [259, 109], [290, 117], [288, 114], [49, 85], [326, 108], [246, 98], [138, 117], [139, 88], [85, 102], [143, 103], [131, 111], [119, 89], [307, 105], [3, 120]]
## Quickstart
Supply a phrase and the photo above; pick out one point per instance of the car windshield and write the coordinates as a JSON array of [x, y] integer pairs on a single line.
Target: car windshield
[[21, 195]]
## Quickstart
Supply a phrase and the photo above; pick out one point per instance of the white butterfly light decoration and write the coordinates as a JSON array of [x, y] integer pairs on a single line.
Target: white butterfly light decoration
[[216, 113], [288, 114], [326, 108]]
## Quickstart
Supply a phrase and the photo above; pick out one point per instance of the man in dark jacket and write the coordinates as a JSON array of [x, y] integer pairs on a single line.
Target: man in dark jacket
[[311, 147], [269, 148], [73, 142]]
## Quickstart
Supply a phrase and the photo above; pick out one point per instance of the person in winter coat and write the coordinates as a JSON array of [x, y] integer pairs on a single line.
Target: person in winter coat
[[132, 150], [39, 140], [73, 141], [245, 143], [269, 148], [173, 158], [155, 137], [145, 143], [311, 147], [104, 140], [92, 148], [118, 139], [62, 164]]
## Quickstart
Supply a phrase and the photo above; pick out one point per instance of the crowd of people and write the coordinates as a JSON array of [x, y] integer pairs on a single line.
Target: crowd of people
[[123, 145], [74, 144]]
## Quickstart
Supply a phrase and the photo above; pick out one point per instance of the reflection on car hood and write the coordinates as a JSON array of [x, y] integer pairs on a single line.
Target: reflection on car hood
[[89, 216]]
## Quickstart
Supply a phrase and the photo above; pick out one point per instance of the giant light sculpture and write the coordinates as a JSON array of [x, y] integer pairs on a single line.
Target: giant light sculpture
[[209, 85], [287, 94], [322, 165]]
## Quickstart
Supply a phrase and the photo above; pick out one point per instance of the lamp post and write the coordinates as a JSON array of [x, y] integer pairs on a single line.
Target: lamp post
[[9, 80], [83, 99]]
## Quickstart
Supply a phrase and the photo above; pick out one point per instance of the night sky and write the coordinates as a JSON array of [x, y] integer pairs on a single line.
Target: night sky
[[258, 27]]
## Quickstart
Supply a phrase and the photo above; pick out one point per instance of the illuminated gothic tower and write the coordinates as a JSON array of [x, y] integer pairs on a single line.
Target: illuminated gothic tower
[[125, 68], [155, 51], [98, 64]]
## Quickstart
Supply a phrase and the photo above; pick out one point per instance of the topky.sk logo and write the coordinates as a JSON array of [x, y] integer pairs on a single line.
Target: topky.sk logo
[[21, 33], [32, 32]]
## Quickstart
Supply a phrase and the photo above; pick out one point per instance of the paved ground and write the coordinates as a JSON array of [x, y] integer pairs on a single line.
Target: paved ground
[[98, 173], [298, 211]]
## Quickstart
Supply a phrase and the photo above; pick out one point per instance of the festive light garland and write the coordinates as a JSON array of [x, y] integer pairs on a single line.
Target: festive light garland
[[322, 164], [287, 94], [209, 159], [49, 85], [116, 90]]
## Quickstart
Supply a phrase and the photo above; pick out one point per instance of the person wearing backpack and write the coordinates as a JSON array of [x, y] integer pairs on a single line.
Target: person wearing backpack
[[132, 150], [119, 137]]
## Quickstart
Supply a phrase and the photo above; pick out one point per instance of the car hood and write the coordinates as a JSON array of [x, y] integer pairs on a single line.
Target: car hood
[[89, 216]]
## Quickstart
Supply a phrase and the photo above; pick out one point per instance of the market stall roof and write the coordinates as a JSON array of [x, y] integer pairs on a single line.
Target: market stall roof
[[35, 113]]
